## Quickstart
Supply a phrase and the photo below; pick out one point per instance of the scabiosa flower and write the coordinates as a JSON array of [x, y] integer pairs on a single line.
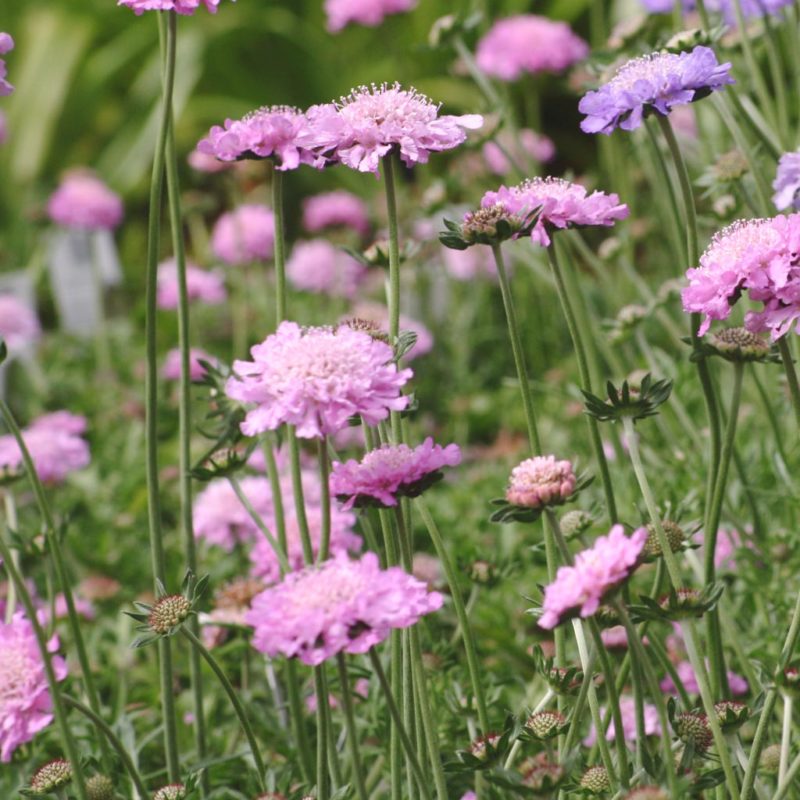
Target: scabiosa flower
[[244, 235], [6, 45], [207, 287], [340, 605], [737, 684], [579, 589], [339, 209], [172, 364], [25, 704], [51, 777], [541, 481], [83, 201], [185, 7], [370, 13], [559, 203], [173, 791], [470, 264], [372, 120], [750, 8], [320, 267], [527, 43], [658, 81], [203, 162], [787, 182], [19, 325], [391, 471], [522, 145], [379, 315], [316, 379], [627, 707], [61, 422]]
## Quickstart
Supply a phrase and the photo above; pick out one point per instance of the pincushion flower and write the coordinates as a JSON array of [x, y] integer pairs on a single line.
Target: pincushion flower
[[19, 325], [207, 287], [559, 204], [522, 145], [737, 684], [627, 707], [370, 13], [379, 315], [339, 606], [371, 121], [25, 703], [579, 589], [6, 45], [655, 82], [317, 266], [172, 364], [61, 422], [244, 235], [83, 201], [470, 264], [185, 7], [787, 182], [541, 481], [750, 8], [203, 162], [391, 471], [527, 43], [337, 209], [316, 379]]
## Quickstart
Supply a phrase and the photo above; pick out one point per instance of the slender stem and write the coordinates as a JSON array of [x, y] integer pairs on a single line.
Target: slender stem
[[791, 376], [394, 267], [323, 722], [352, 733], [789, 780], [786, 738], [517, 350], [277, 493], [10, 508], [297, 490], [298, 720], [325, 499], [280, 246]]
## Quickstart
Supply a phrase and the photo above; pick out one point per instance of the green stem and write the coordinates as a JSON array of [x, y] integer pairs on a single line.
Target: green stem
[[394, 268], [789, 781], [280, 247], [297, 491], [298, 720], [325, 500], [10, 508], [277, 493], [323, 723], [786, 738], [791, 376], [352, 733]]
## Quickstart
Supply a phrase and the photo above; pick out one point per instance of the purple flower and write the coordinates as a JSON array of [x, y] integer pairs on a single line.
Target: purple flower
[[371, 121], [341, 13], [528, 43], [750, 8], [172, 364], [627, 707], [541, 481], [19, 325], [6, 45], [738, 685], [316, 379], [186, 7], [25, 703], [579, 589], [61, 422], [787, 182], [390, 472], [338, 606], [470, 264], [84, 201], [203, 162], [334, 210], [317, 266], [658, 81], [244, 235], [379, 315], [207, 287], [522, 145], [559, 203]]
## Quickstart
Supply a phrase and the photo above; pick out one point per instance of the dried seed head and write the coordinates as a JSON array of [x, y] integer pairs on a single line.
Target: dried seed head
[[51, 776], [574, 523], [770, 759], [692, 728], [675, 536], [482, 224], [730, 166], [168, 612], [739, 344], [595, 780], [731, 714], [482, 571]]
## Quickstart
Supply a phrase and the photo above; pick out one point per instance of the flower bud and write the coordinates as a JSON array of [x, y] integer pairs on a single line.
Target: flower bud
[[595, 780], [691, 727], [544, 725], [770, 759], [100, 787], [167, 613], [51, 776], [675, 537], [174, 791]]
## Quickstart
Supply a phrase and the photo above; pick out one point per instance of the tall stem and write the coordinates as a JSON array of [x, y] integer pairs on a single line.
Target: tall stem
[[323, 723], [394, 268], [325, 500], [791, 376], [297, 490], [280, 247], [786, 738], [352, 733]]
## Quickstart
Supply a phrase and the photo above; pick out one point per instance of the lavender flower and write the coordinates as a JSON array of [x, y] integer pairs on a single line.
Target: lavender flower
[[787, 182], [6, 45], [370, 13]]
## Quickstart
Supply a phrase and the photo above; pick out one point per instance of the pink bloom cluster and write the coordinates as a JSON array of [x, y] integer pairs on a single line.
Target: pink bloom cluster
[[244, 235], [560, 204], [470, 264], [379, 315], [185, 7], [207, 287], [6, 45], [541, 481], [334, 210], [737, 684], [172, 364], [317, 266], [19, 325], [339, 606], [83, 201], [203, 162], [25, 702], [627, 707], [580, 589], [390, 471], [364, 12], [316, 379], [54, 443], [528, 43], [522, 146]]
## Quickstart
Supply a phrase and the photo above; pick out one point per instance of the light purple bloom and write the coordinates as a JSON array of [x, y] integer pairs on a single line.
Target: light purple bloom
[[185, 7], [83, 201], [172, 364], [61, 422], [244, 235], [370, 13], [6, 45], [334, 210], [470, 264], [627, 707], [379, 315], [522, 145], [750, 8], [659, 81], [19, 325], [207, 287], [338, 606], [316, 379], [203, 162], [320, 267], [787, 182], [738, 685], [541, 481]]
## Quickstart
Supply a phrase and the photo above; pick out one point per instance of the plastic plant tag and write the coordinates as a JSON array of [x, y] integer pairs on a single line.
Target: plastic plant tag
[[72, 277]]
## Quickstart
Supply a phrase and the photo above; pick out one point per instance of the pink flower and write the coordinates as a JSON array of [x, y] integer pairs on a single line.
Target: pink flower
[[364, 12], [541, 481], [470, 264], [3, 127], [334, 210], [82, 607], [371, 121], [203, 162], [338, 606], [207, 287], [580, 589], [186, 7], [522, 145], [61, 422], [244, 235], [627, 707], [6, 45], [560, 204], [317, 266], [19, 325], [84, 201], [316, 379], [172, 364], [738, 685], [390, 472], [379, 315], [25, 703], [528, 43]]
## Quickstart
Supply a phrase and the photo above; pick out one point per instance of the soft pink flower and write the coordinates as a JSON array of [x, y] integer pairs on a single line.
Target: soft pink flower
[[61, 422], [364, 12], [339, 209], [316, 379], [737, 684], [244, 235], [25, 703], [371, 121], [728, 542], [580, 589], [6, 45], [19, 325], [317, 266], [379, 315], [471, 264], [203, 285], [83, 201], [390, 472], [186, 7], [172, 364], [541, 481], [203, 162], [559, 203], [627, 707], [528, 43], [82, 607], [338, 606], [522, 146], [3, 128]]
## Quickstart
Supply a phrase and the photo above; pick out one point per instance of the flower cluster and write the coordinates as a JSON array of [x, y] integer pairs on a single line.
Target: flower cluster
[[338, 209], [244, 235], [6, 45], [19, 325], [207, 287], [317, 266], [83, 201], [627, 707], [371, 13], [185, 7], [339, 606], [541, 481], [749, 8]]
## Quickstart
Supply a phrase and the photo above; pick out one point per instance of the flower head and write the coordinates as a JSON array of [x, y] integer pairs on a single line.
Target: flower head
[[378, 315], [528, 43], [559, 203], [749, 8], [541, 481], [373, 120], [185, 7], [6, 45], [579, 589], [787, 182], [391, 471], [19, 325], [100, 787], [174, 791], [83, 201], [317, 266], [468, 265], [338, 606], [595, 780], [316, 379], [25, 704], [736, 683], [522, 145], [370, 13], [207, 287], [337, 209], [172, 364], [244, 235], [168, 612], [203, 162], [51, 776], [627, 707], [659, 81]]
